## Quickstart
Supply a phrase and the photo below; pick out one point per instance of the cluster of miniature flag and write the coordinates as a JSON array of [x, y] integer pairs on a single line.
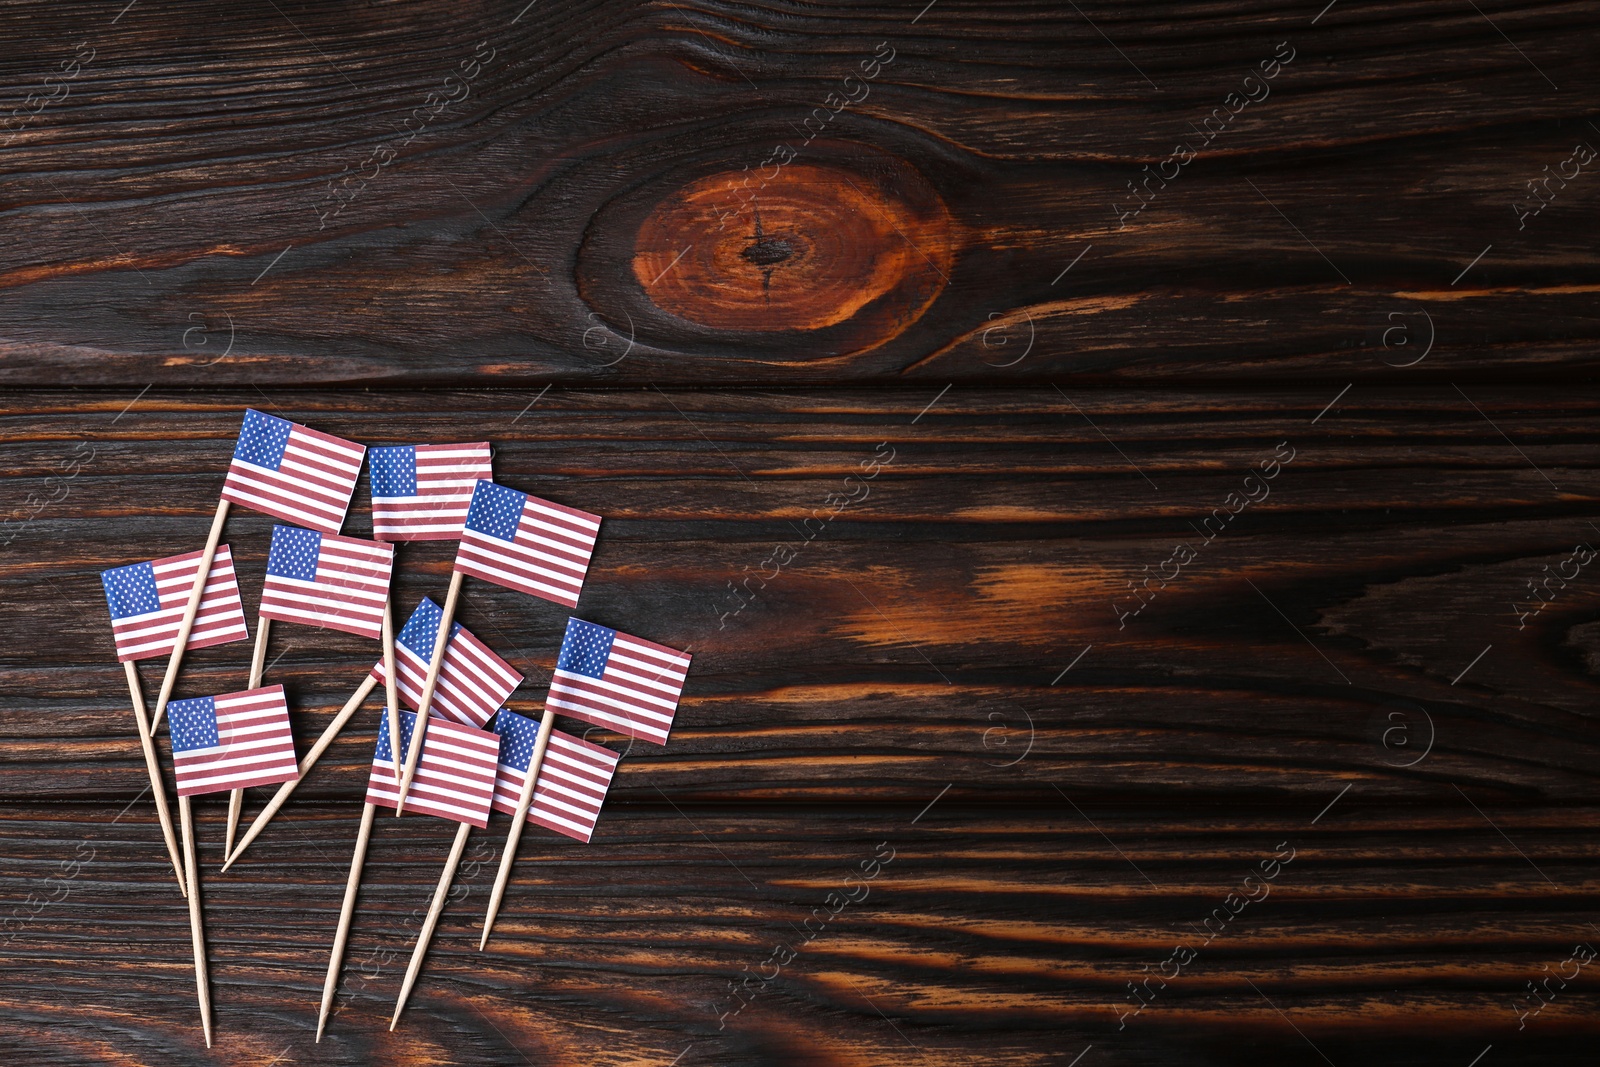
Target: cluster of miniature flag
[[461, 753]]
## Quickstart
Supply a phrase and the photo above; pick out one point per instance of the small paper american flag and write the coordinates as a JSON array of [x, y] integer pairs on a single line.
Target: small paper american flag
[[327, 580], [148, 601], [572, 781], [618, 681], [527, 544], [422, 492], [293, 472], [231, 741], [455, 775], [473, 681]]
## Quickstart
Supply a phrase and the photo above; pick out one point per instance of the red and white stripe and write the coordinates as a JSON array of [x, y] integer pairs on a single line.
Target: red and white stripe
[[254, 746], [455, 775], [349, 592], [570, 788], [221, 618], [473, 681], [311, 487], [548, 559], [637, 695], [446, 475]]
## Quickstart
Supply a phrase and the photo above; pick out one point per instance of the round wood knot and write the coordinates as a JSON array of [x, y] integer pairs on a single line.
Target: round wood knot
[[810, 247]]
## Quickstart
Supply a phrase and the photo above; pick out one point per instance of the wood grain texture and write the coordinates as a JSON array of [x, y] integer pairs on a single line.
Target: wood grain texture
[[915, 643], [400, 196], [1079, 537]]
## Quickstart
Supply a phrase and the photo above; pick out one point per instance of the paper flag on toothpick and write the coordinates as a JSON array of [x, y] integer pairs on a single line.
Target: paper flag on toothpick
[[618, 681], [422, 492], [232, 741], [473, 681], [527, 544], [572, 779], [455, 776], [147, 602], [293, 472], [320, 579]]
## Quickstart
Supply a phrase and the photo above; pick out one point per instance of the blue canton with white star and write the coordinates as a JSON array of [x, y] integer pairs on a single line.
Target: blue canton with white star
[[517, 735], [193, 724], [495, 510], [394, 470], [131, 590], [384, 754], [586, 648], [294, 553], [263, 439], [421, 629]]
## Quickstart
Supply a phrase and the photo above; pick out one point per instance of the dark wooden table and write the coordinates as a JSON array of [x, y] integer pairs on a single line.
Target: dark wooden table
[[1202, 660]]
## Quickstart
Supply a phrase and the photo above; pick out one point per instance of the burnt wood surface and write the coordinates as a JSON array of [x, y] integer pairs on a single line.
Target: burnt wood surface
[[1237, 525]]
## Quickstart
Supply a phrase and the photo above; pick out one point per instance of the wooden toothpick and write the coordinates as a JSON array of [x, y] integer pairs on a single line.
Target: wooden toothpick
[[428, 686], [391, 683], [351, 706], [446, 876], [258, 664], [158, 787], [346, 911], [197, 933], [190, 612], [524, 802]]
